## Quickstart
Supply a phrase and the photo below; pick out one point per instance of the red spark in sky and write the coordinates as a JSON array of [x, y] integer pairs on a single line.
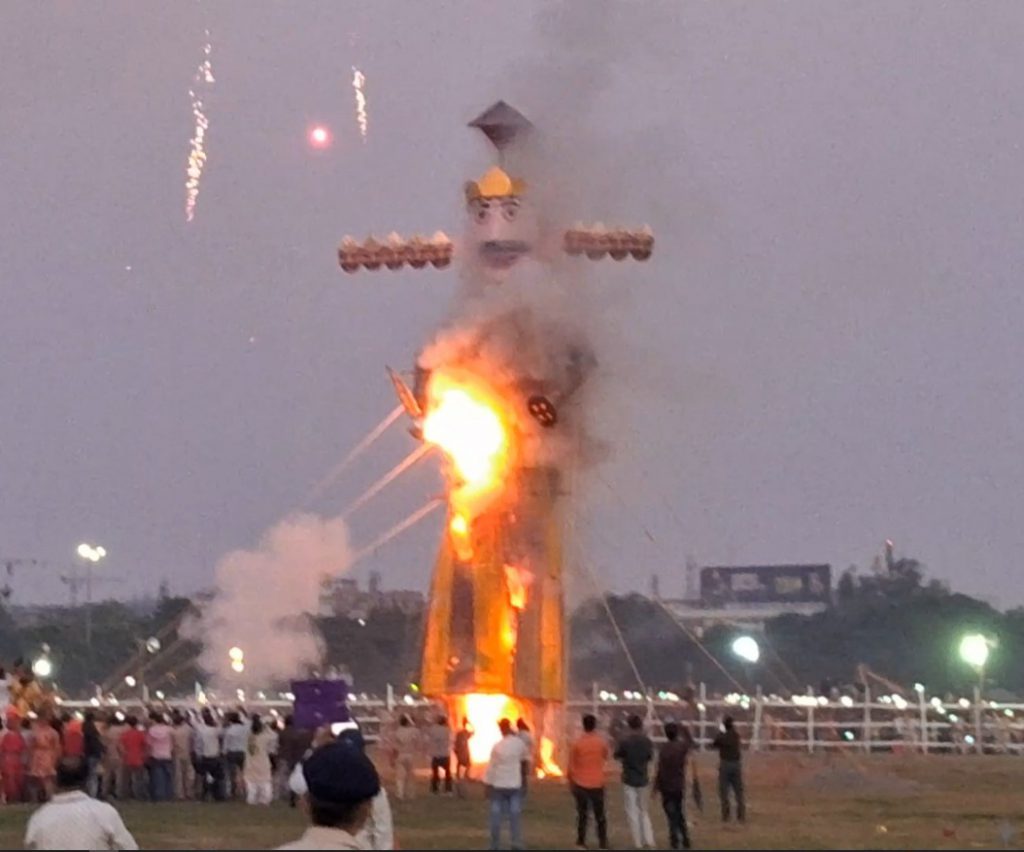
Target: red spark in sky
[[319, 136]]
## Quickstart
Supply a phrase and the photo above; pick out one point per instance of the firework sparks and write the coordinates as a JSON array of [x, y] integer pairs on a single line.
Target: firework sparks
[[202, 82], [358, 82]]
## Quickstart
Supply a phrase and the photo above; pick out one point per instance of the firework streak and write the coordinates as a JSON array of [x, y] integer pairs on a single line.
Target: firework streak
[[202, 83]]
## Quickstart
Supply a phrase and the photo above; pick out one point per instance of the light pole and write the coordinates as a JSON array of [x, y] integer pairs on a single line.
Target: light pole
[[146, 648], [90, 555], [974, 650], [747, 649], [42, 666]]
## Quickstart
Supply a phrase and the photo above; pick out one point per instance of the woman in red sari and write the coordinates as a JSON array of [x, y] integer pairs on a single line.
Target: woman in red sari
[[12, 760]]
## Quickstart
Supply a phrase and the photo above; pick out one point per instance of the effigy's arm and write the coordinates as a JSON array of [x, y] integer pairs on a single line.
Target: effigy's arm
[[596, 241], [395, 252]]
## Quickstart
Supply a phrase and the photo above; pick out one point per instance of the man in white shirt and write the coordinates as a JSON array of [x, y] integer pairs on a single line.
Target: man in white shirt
[[72, 820], [208, 749], [236, 744], [504, 780]]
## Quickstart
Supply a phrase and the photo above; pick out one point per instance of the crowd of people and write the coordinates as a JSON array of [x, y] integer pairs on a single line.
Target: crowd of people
[[72, 765], [162, 757]]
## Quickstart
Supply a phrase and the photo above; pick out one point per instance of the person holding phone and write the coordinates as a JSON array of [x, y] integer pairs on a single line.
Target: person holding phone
[[730, 769]]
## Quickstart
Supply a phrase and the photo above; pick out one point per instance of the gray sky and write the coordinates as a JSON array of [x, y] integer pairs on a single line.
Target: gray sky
[[825, 350]]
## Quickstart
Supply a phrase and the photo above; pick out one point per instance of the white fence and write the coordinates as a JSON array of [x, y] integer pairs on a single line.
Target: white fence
[[809, 723]]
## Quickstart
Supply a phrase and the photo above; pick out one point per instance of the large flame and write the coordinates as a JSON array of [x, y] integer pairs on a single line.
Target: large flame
[[548, 768], [484, 711], [465, 422]]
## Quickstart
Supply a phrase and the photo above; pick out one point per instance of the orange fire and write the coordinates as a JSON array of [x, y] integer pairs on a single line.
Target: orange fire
[[516, 582], [465, 421], [484, 711], [547, 767], [459, 528]]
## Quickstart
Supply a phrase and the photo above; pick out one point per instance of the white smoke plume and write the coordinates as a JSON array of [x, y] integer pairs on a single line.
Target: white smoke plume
[[263, 601]]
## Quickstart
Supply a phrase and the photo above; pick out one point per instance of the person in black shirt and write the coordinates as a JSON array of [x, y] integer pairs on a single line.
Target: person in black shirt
[[635, 752], [730, 774], [670, 781]]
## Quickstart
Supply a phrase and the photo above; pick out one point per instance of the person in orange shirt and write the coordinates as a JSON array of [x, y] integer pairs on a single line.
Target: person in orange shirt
[[133, 759], [43, 755], [587, 758], [72, 738], [12, 757]]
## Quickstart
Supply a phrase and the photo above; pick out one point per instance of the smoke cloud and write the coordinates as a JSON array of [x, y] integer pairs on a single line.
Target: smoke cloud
[[264, 600]]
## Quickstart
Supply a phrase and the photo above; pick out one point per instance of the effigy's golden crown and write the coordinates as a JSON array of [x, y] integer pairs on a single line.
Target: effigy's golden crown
[[494, 184]]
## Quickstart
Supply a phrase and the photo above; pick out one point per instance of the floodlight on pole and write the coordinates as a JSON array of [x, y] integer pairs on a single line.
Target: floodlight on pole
[[90, 554], [974, 650], [746, 648], [42, 667]]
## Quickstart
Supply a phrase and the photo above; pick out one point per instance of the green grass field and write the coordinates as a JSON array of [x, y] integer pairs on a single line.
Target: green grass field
[[795, 802]]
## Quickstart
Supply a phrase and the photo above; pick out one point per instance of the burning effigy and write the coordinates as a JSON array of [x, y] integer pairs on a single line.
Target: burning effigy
[[500, 392]]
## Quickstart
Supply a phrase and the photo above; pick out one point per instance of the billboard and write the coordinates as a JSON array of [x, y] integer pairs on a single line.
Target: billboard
[[765, 584]]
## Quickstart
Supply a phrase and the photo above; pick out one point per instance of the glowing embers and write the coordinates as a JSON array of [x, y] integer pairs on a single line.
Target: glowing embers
[[466, 421]]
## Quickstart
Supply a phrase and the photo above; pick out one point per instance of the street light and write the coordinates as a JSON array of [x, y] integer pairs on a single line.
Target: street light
[[237, 657], [746, 648], [42, 667], [974, 650], [90, 554], [148, 646]]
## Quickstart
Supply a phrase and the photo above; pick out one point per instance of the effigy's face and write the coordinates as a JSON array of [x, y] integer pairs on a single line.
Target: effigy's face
[[502, 231]]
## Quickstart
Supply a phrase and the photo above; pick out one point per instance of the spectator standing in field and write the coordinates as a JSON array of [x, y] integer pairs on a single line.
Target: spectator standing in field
[[92, 745], [670, 782], [236, 743], [160, 748], [635, 752], [73, 820], [259, 777], [113, 768], [378, 831], [43, 755], [293, 743], [587, 758], [730, 769], [182, 756], [463, 758], [12, 760], [523, 732], [209, 752], [504, 780], [133, 759], [439, 743], [407, 744], [72, 738], [339, 784]]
